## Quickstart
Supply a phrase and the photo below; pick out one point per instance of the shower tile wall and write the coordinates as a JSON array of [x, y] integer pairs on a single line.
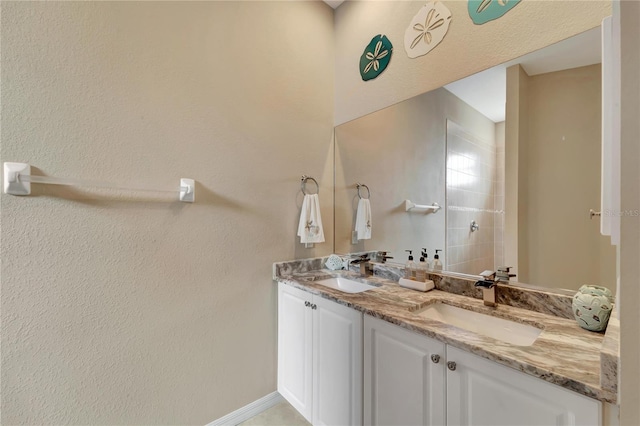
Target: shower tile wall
[[471, 186]]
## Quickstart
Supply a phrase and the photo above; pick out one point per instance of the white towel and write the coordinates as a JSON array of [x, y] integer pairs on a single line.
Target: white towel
[[363, 219], [310, 226]]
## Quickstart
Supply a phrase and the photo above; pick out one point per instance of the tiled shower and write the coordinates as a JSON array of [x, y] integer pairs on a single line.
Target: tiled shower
[[475, 194]]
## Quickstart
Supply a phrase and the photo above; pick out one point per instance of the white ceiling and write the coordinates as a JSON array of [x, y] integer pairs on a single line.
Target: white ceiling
[[486, 90]]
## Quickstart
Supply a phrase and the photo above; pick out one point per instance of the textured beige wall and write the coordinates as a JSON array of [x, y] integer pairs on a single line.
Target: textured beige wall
[[129, 308], [562, 182], [399, 152], [466, 49], [630, 235]]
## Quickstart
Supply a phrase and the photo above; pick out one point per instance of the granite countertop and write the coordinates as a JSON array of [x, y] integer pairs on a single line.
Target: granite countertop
[[563, 354]]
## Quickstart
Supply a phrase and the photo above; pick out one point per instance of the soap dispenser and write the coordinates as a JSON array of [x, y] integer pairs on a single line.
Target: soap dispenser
[[410, 267], [437, 263], [426, 259], [421, 269]]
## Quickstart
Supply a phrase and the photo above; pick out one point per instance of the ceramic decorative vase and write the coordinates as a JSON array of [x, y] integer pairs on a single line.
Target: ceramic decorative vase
[[592, 307], [334, 262]]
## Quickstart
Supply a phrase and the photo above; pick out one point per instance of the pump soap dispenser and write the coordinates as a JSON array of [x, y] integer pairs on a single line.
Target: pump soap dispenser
[[437, 263], [410, 267], [421, 269], [426, 259]]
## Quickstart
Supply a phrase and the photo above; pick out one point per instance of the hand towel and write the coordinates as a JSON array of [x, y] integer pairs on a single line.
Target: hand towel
[[310, 227], [363, 219]]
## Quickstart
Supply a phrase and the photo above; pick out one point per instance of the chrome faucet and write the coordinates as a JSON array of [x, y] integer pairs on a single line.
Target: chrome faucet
[[488, 284], [366, 268]]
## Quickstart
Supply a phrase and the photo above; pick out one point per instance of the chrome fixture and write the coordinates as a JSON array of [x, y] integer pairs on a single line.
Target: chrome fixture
[[362, 185], [303, 183], [366, 268], [474, 226], [502, 274], [435, 358], [382, 257], [451, 365], [593, 213], [488, 284]]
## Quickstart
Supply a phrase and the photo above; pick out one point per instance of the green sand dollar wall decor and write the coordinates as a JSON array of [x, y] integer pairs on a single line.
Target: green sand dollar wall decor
[[427, 29], [376, 57], [483, 11]]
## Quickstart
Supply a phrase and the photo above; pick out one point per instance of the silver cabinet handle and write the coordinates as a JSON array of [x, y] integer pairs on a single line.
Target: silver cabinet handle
[[451, 365], [307, 304], [314, 306], [435, 358]]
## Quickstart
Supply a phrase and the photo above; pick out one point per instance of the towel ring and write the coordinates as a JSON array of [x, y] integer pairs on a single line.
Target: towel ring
[[304, 181], [360, 185]]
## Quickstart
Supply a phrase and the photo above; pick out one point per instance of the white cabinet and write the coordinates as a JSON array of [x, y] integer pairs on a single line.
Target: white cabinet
[[404, 385], [294, 348], [319, 357], [482, 392]]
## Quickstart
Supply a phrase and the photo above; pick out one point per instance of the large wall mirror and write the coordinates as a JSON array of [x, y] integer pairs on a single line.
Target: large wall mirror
[[512, 156]]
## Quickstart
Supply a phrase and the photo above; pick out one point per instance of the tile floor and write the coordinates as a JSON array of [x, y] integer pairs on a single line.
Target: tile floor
[[282, 414]]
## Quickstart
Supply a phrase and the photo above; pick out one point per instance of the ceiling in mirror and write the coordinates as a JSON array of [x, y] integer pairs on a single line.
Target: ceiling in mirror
[[486, 91]]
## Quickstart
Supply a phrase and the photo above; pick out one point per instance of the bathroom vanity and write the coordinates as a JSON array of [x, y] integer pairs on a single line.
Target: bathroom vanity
[[374, 357], [319, 357]]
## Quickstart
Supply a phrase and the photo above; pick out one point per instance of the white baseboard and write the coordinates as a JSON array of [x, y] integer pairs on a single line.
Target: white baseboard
[[249, 410]]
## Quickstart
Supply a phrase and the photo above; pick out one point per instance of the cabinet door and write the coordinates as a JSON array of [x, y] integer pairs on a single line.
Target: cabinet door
[[294, 348], [402, 384], [482, 392], [337, 364]]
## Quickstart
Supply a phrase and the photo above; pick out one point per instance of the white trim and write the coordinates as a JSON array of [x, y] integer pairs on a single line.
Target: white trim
[[249, 410]]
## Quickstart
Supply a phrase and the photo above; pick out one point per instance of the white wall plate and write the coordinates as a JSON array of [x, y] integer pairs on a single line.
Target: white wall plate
[[187, 195], [12, 184]]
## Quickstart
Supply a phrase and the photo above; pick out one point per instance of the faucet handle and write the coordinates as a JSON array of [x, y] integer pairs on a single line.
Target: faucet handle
[[504, 273], [488, 275], [382, 256]]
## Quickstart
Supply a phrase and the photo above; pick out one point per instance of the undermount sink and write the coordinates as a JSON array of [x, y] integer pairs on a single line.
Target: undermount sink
[[344, 284], [507, 331]]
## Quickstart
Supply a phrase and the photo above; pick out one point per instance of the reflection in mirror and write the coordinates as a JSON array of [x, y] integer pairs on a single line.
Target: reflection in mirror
[[517, 182], [474, 200]]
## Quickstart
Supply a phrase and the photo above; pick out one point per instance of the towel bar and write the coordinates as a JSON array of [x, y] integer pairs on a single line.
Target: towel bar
[[18, 180], [408, 205]]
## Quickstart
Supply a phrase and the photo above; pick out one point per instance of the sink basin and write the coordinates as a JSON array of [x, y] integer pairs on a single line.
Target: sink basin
[[346, 285], [507, 331]]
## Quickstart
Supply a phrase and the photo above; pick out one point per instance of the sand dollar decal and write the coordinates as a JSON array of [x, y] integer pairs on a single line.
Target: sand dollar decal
[[376, 57], [483, 11], [427, 29]]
